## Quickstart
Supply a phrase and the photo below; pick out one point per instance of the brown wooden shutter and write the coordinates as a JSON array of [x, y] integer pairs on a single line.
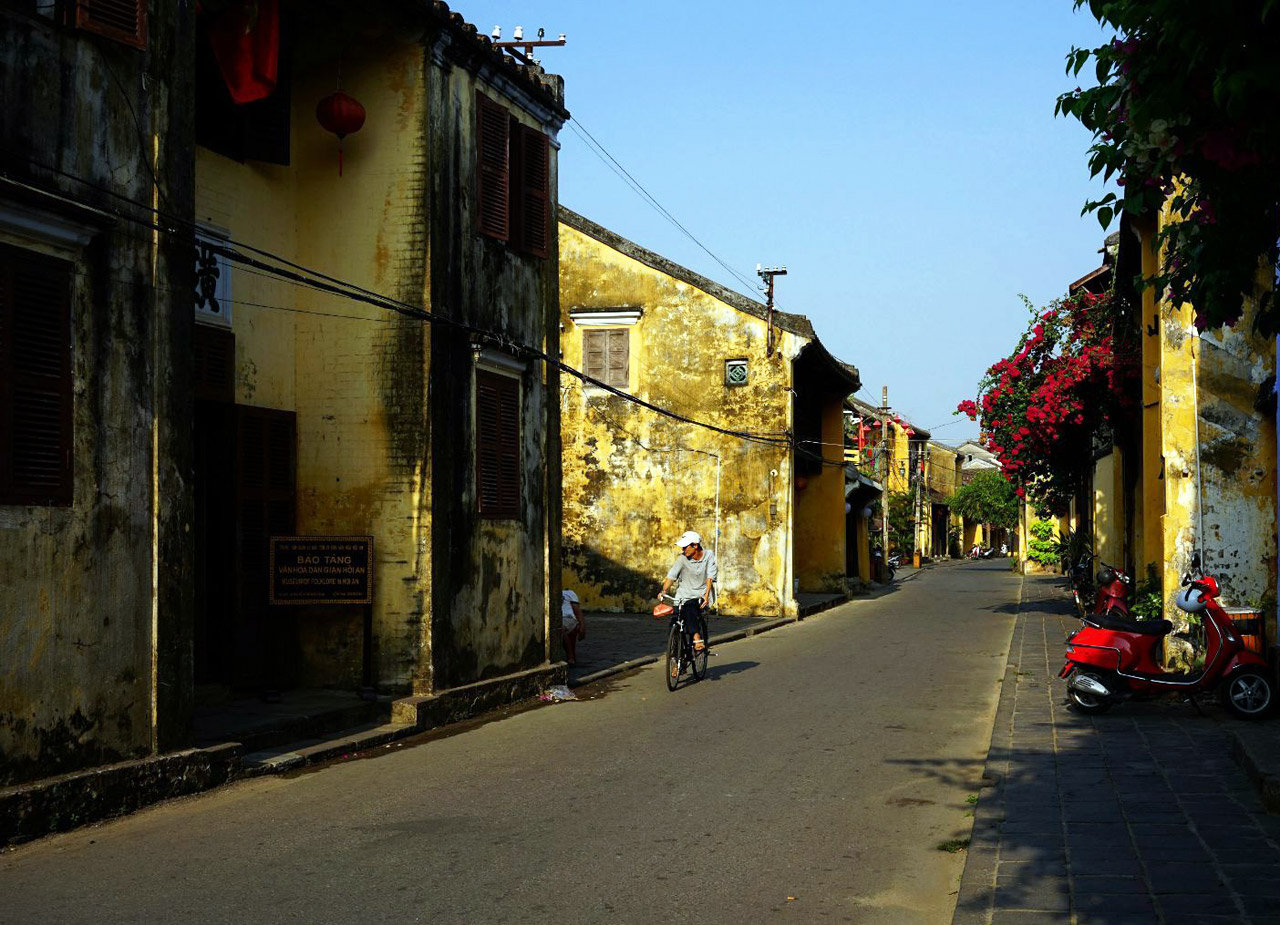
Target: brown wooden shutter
[[123, 21], [214, 360], [492, 166], [35, 378], [595, 351], [619, 349], [497, 445], [535, 202]]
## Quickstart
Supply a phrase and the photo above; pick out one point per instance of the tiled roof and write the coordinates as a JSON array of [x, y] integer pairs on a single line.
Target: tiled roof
[[796, 324]]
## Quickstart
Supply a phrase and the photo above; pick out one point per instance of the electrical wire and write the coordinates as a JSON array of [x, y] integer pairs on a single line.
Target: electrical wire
[[603, 153], [239, 253]]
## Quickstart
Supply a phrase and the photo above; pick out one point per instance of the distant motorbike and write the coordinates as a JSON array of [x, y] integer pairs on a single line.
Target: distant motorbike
[[890, 566], [1111, 658]]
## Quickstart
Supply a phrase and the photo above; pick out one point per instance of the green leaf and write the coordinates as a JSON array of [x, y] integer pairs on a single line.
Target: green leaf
[[1104, 217]]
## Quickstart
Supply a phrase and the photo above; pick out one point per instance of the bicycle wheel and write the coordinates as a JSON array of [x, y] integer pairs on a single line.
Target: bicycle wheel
[[675, 647], [699, 660]]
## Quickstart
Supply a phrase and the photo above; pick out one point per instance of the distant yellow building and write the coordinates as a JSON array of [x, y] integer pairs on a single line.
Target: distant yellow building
[[634, 479]]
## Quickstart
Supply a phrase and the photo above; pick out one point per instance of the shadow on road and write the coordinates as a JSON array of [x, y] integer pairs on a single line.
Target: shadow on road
[[716, 672]]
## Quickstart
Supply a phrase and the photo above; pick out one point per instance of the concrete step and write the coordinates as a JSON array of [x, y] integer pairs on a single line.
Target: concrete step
[[305, 752]]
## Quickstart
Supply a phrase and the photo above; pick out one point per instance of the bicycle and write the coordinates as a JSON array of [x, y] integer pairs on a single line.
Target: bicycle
[[681, 655]]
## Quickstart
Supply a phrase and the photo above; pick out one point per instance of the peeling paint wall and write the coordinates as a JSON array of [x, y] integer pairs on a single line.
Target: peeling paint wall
[[96, 664], [1212, 487], [633, 480]]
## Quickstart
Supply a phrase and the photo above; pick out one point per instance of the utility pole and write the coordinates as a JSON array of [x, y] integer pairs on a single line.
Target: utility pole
[[767, 274], [888, 466], [527, 44]]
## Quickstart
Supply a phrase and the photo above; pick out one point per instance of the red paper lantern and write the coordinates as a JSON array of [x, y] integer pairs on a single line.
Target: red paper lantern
[[342, 115]]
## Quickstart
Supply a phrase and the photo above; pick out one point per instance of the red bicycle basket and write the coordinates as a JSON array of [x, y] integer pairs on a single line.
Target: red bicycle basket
[[663, 610]]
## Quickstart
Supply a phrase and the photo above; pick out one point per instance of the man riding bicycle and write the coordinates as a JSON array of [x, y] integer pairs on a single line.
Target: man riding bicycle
[[693, 573]]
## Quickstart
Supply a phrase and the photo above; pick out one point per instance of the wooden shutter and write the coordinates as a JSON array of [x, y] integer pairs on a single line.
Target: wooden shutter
[[213, 366], [493, 131], [123, 21], [606, 356], [618, 358], [534, 212], [595, 352], [497, 445], [35, 378]]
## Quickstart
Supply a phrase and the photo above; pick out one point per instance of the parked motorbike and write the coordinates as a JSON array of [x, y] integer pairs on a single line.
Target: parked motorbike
[[891, 566], [1079, 581], [1111, 658], [1113, 587], [1109, 591]]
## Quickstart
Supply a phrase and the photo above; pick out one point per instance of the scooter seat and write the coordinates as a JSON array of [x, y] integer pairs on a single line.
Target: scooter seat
[[1121, 625]]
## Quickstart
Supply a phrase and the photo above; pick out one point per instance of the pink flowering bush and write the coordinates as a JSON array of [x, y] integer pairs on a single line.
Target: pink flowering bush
[[1040, 407]]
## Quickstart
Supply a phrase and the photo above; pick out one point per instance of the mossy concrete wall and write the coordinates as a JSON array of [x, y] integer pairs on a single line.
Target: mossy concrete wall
[[95, 600], [494, 583]]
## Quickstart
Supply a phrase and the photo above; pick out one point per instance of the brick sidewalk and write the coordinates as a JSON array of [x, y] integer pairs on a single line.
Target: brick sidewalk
[[1139, 815]]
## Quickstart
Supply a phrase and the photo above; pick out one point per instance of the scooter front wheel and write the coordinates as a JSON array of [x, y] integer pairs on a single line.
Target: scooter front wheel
[[1248, 694], [1083, 701]]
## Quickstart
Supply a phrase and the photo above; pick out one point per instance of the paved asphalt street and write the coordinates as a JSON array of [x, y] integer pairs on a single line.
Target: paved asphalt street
[[811, 778]]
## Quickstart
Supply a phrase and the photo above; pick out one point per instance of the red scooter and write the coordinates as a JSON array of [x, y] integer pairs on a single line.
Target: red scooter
[[1111, 658], [1112, 586], [1113, 591]]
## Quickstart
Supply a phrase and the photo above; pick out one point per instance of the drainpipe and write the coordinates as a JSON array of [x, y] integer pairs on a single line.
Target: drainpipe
[[1195, 414], [716, 548]]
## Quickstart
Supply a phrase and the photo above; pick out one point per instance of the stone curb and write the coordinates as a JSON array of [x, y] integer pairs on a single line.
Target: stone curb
[[59, 804], [975, 895], [1259, 769]]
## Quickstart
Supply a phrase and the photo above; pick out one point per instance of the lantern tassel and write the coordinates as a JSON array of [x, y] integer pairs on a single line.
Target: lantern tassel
[[339, 157]]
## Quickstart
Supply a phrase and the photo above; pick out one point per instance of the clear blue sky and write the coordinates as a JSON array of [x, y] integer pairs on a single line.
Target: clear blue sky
[[900, 157]]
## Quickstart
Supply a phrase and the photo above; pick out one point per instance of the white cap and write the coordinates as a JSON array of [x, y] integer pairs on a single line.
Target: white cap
[[688, 538]]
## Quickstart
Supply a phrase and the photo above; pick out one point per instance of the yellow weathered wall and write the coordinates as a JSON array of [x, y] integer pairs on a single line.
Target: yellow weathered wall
[[1108, 509], [1218, 455], [819, 535], [633, 480], [1149, 532], [350, 371]]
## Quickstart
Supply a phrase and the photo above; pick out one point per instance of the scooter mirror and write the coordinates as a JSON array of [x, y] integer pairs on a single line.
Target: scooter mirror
[[1195, 562]]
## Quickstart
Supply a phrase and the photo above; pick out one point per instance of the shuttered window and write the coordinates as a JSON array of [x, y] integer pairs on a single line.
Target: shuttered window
[[35, 378], [213, 357], [531, 207], [497, 445], [606, 356], [493, 130], [513, 170], [123, 21]]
